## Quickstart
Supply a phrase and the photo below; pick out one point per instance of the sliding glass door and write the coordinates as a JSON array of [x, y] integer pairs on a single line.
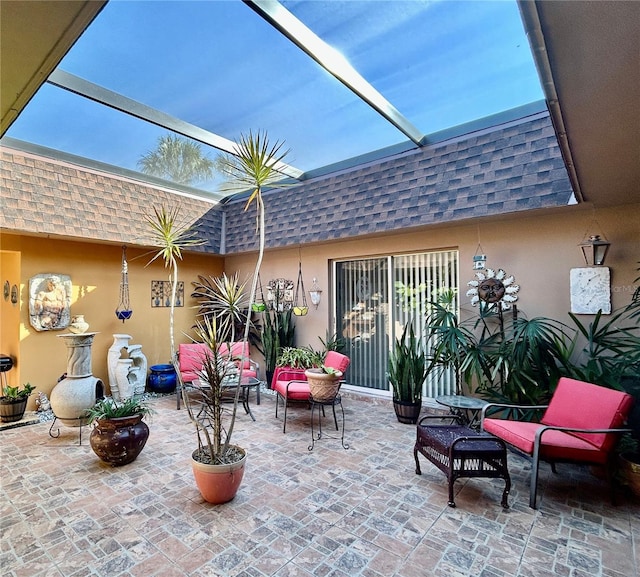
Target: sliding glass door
[[376, 297]]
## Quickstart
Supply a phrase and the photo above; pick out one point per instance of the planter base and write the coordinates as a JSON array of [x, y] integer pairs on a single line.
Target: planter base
[[218, 483], [407, 413]]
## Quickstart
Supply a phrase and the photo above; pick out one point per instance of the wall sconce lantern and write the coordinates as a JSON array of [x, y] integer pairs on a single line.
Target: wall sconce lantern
[[315, 293], [595, 250]]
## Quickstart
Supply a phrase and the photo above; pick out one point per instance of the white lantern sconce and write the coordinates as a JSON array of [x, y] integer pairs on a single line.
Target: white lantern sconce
[[315, 293]]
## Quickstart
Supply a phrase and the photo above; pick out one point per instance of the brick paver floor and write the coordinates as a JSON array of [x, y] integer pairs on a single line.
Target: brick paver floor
[[326, 513]]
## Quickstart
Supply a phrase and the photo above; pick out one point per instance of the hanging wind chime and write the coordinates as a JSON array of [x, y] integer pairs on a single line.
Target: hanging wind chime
[[123, 310]]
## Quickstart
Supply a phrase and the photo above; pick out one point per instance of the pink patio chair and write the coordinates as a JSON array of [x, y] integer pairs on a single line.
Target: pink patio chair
[[581, 424]]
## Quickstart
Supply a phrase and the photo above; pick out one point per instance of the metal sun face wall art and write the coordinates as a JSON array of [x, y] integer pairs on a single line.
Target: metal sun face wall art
[[491, 286]]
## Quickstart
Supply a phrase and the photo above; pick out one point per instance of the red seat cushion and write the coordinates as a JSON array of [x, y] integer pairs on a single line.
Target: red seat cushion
[[190, 359], [556, 445], [579, 405], [292, 390]]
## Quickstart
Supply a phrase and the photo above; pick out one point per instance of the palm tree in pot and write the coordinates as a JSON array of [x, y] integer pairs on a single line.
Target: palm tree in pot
[[254, 165]]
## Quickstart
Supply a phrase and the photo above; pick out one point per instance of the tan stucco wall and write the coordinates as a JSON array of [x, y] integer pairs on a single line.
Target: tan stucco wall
[[539, 250], [95, 275]]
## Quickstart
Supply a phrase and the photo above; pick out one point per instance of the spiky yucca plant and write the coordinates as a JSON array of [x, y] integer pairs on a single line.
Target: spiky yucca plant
[[171, 235]]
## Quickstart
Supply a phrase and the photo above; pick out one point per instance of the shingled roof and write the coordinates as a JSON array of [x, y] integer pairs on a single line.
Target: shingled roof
[[47, 196], [510, 168]]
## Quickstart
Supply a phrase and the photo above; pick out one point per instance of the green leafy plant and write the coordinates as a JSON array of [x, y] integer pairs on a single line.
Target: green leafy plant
[[108, 408], [407, 366], [277, 332], [298, 358], [11, 393]]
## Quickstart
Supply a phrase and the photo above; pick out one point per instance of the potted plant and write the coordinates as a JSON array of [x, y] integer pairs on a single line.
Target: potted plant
[[253, 166], [13, 402], [324, 382], [217, 464], [298, 358], [119, 434], [407, 370]]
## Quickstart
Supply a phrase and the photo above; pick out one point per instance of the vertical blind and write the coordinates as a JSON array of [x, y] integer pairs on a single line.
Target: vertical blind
[[375, 298]]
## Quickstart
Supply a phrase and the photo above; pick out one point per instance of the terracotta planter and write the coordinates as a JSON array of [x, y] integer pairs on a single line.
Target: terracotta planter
[[12, 410], [407, 412], [218, 483], [323, 386], [119, 441]]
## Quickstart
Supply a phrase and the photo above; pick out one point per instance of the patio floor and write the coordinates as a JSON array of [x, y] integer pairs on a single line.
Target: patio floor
[[328, 513]]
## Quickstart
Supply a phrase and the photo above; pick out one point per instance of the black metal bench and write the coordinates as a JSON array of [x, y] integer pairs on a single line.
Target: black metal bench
[[459, 451]]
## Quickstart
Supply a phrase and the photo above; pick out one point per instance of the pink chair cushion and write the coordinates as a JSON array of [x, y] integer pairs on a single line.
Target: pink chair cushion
[[296, 390], [580, 405], [190, 356], [556, 445], [337, 361], [238, 350]]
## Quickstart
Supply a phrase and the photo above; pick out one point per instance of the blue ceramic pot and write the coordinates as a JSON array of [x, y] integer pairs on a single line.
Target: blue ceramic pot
[[162, 379]]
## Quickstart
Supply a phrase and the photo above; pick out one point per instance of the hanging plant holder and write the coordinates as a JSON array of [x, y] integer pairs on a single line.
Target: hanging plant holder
[[300, 308], [259, 306], [123, 310]]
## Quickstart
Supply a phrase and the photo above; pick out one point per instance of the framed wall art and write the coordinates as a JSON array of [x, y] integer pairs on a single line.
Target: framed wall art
[[161, 293]]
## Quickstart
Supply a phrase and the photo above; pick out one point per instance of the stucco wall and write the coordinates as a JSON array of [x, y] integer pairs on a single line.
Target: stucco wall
[[538, 249], [95, 275]]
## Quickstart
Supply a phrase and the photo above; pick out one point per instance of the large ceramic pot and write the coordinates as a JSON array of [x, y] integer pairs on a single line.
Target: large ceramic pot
[[120, 440], [323, 386], [12, 410], [407, 412], [218, 483], [162, 379]]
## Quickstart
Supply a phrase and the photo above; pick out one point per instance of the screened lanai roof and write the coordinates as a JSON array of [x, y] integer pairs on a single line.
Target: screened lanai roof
[[340, 82]]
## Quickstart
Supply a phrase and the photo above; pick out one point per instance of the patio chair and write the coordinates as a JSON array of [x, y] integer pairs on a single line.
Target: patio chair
[[292, 386], [581, 424]]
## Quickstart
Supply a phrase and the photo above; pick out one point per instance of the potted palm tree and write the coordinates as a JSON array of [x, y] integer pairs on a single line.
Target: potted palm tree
[[253, 166], [407, 371]]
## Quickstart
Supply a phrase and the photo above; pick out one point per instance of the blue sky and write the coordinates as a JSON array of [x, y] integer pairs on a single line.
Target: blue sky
[[218, 65]]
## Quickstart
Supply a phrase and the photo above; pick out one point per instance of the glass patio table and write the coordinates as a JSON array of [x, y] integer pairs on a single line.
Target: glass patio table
[[468, 408]]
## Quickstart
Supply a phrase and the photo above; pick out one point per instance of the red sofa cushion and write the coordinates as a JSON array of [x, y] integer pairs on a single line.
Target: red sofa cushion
[[297, 390], [556, 445], [580, 405], [190, 356]]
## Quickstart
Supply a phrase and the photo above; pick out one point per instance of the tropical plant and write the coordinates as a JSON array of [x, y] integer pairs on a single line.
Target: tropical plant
[[13, 393], [108, 408], [277, 332], [171, 235], [254, 166], [298, 358], [225, 299], [504, 358], [219, 374], [179, 160], [333, 342], [408, 366]]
